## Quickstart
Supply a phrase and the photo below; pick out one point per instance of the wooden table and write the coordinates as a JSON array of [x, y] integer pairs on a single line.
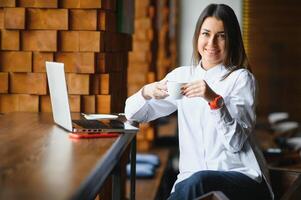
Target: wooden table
[[39, 161]]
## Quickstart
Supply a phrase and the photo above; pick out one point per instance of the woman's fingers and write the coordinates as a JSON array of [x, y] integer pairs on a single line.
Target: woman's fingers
[[160, 94], [160, 91], [194, 89], [199, 89], [162, 85]]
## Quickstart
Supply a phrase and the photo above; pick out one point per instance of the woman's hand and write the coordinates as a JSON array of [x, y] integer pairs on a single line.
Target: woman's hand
[[199, 88], [157, 90]]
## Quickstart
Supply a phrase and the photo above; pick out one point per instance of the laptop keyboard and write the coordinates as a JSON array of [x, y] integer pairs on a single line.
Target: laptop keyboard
[[95, 124], [90, 124]]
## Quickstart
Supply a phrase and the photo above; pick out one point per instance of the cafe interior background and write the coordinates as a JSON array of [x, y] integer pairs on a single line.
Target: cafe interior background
[[112, 54]]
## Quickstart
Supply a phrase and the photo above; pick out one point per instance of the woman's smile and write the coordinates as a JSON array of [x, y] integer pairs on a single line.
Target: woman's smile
[[211, 42]]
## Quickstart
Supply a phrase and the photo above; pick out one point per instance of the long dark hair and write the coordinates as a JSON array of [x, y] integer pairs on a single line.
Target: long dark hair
[[236, 57]]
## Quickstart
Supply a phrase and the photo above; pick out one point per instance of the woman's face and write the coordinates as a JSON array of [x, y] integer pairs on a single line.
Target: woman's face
[[211, 42]]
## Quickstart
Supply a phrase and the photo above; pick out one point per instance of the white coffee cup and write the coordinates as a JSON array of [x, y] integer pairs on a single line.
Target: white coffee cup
[[174, 89]]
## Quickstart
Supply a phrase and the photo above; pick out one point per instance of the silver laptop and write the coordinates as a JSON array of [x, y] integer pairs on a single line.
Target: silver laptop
[[61, 110]]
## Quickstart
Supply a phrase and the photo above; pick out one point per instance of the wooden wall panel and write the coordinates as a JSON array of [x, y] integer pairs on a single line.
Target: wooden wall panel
[[88, 103], [69, 31], [77, 62], [53, 19], [3, 82], [7, 3], [14, 18], [81, 4], [10, 40], [45, 103], [39, 59], [19, 102], [83, 19], [39, 41], [103, 104], [1, 18], [77, 83], [38, 3], [16, 61], [28, 83]]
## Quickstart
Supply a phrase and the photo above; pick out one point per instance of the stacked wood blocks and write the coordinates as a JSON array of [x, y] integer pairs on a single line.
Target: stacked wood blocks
[[166, 26], [141, 56], [140, 60], [80, 33], [154, 52]]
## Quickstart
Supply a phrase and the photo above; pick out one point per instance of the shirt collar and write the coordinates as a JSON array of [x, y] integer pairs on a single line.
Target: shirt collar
[[214, 73]]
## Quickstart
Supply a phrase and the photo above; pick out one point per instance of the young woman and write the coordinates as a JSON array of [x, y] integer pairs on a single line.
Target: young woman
[[216, 116]]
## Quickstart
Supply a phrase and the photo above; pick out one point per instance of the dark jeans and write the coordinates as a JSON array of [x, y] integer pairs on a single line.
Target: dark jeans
[[235, 185]]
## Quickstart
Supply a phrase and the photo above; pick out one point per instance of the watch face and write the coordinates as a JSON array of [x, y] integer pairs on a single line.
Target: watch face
[[220, 102]]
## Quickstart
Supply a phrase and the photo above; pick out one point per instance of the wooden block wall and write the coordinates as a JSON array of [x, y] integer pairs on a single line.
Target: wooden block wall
[[80, 33], [166, 26], [141, 57], [154, 51], [140, 60]]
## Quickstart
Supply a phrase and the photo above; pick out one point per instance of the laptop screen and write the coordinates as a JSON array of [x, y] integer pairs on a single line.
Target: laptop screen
[[58, 94]]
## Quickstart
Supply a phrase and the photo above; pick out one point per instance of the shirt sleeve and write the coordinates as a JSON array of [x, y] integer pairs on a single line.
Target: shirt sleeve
[[236, 119], [139, 109]]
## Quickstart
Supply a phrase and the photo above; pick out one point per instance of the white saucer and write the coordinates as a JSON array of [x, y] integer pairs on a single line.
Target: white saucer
[[99, 116]]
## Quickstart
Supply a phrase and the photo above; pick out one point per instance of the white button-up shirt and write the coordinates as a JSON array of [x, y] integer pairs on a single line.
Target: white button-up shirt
[[208, 139]]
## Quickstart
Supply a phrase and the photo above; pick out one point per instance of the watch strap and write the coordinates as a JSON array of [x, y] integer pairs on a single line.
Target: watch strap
[[214, 104]]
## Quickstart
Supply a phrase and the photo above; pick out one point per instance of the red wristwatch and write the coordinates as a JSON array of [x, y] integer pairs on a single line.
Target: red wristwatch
[[216, 103]]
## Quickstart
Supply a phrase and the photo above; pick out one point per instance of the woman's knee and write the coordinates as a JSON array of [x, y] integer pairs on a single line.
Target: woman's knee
[[202, 176], [198, 180]]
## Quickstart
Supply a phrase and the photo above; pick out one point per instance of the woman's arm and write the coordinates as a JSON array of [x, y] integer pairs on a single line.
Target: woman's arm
[[149, 103], [236, 119]]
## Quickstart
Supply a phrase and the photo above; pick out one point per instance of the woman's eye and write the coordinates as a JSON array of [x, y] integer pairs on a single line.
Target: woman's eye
[[222, 36], [205, 34]]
